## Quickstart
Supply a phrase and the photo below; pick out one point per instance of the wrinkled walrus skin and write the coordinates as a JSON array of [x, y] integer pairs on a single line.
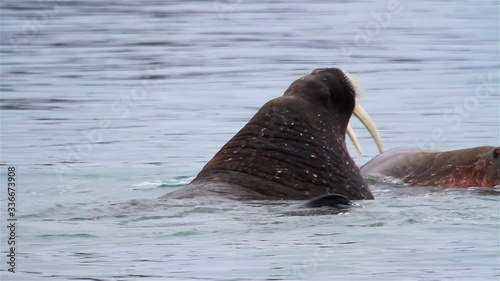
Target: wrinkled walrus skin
[[292, 149], [471, 167]]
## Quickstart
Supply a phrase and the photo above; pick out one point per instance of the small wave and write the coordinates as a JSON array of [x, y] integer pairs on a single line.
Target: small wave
[[185, 233], [147, 185], [177, 181], [493, 191], [373, 179], [37, 103], [75, 235]]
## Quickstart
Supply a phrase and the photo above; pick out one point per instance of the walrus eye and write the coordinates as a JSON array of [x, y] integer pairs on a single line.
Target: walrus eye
[[496, 152]]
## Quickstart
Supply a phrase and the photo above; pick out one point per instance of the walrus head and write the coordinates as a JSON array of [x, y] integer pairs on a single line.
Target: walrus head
[[337, 81], [489, 166], [294, 147]]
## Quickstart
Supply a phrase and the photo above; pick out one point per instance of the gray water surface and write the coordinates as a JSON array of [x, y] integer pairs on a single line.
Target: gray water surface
[[103, 102]]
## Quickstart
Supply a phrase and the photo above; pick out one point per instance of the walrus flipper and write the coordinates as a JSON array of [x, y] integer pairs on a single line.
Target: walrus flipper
[[330, 200]]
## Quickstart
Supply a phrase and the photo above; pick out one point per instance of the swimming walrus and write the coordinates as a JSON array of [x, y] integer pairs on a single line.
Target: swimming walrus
[[293, 148], [471, 167]]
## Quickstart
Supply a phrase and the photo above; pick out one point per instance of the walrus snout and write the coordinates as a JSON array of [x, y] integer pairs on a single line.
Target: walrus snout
[[495, 170]]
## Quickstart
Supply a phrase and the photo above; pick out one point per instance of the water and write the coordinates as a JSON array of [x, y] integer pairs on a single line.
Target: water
[[103, 102]]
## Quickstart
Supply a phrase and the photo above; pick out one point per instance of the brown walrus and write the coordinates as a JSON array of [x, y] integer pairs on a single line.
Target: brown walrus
[[293, 148], [477, 166]]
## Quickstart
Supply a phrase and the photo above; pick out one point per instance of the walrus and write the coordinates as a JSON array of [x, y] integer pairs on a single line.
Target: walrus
[[470, 167], [293, 148]]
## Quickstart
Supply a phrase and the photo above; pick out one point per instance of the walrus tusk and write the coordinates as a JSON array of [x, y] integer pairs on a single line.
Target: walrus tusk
[[361, 114], [354, 139]]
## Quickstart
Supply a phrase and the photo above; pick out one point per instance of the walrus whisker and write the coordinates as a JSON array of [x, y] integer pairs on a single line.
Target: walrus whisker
[[361, 114], [353, 84]]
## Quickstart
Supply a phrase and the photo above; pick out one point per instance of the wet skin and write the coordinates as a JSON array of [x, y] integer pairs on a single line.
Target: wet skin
[[477, 166]]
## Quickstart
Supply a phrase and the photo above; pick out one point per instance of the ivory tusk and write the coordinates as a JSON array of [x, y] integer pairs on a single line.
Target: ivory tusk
[[361, 114], [354, 139]]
